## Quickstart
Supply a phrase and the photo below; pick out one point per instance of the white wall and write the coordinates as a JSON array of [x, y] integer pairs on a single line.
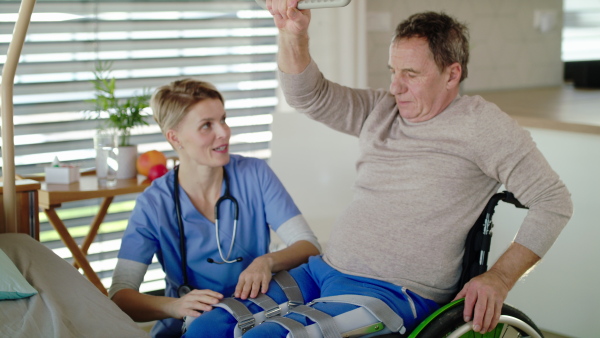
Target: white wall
[[561, 293], [316, 164], [507, 49]]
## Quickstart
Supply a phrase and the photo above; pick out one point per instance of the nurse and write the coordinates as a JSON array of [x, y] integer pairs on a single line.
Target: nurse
[[192, 117]]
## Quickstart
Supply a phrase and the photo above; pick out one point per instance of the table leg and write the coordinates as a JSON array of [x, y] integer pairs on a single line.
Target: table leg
[[74, 248], [95, 226]]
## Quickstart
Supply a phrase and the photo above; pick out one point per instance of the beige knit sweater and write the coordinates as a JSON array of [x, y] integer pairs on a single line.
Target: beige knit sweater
[[421, 186]]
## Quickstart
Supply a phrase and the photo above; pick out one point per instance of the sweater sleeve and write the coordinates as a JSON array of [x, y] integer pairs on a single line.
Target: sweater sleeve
[[517, 163], [341, 108]]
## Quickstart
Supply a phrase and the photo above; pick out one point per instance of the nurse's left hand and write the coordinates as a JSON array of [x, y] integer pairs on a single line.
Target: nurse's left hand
[[255, 279]]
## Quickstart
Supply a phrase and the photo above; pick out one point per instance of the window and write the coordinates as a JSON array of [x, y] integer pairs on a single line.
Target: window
[[581, 30], [231, 44]]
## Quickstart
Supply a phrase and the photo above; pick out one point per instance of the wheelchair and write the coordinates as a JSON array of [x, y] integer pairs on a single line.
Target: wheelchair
[[448, 320], [445, 322]]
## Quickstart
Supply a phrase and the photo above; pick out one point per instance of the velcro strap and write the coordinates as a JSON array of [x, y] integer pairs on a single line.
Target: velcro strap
[[290, 288], [296, 329], [326, 322], [239, 311], [267, 303], [375, 306]]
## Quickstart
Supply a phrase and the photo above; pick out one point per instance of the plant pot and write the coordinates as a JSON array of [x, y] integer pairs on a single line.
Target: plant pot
[[127, 158]]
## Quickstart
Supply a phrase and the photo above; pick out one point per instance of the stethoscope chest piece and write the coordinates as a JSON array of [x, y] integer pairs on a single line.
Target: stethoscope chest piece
[[183, 290]]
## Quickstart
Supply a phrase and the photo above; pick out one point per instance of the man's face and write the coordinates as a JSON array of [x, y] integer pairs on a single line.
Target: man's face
[[420, 89]]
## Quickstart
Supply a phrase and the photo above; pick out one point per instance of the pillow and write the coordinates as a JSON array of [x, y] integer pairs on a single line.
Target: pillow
[[12, 283]]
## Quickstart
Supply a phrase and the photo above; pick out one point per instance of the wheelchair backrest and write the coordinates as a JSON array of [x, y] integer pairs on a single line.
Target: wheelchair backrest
[[477, 245]]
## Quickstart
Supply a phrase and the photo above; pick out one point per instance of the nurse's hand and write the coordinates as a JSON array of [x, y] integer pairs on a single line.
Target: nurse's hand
[[193, 303], [255, 279]]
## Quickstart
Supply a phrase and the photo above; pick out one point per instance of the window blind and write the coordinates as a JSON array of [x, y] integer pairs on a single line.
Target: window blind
[[231, 44]]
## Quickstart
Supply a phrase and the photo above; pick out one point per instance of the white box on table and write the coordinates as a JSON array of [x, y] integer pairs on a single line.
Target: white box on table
[[62, 175]]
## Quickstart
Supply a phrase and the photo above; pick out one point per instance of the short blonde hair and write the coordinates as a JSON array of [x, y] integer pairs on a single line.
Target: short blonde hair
[[170, 103]]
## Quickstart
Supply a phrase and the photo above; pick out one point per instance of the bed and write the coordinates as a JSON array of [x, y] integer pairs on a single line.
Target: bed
[[65, 305]]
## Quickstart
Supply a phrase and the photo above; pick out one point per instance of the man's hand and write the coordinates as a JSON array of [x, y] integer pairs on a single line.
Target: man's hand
[[192, 304], [287, 17], [484, 296], [255, 279]]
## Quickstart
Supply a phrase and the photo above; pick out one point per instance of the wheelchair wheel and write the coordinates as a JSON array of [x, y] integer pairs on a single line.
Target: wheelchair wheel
[[450, 324]]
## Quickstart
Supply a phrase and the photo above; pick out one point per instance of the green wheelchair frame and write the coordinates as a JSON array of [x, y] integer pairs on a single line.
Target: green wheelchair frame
[[448, 320]]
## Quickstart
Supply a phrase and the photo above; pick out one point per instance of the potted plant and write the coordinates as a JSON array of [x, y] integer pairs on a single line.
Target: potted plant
[[123, 115]]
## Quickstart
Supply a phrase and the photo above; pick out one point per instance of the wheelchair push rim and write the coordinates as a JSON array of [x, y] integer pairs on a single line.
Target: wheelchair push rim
[[507, 327], [448, 322]]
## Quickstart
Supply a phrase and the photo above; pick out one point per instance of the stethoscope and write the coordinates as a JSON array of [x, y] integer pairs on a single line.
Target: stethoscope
[[185, 287]]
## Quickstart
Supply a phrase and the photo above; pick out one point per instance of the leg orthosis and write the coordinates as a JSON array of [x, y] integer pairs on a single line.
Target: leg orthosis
[[373, 315]]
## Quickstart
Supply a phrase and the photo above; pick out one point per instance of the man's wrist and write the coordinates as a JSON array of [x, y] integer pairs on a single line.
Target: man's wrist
[[294, 54]]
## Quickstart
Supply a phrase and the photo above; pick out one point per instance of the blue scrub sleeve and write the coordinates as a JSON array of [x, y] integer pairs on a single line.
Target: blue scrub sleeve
[[139, 241], [279, 205]]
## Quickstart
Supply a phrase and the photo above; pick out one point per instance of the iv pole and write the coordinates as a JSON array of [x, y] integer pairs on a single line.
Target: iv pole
[[8, 144]]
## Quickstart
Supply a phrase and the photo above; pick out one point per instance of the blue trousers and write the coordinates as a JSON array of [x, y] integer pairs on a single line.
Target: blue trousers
[[317, 279]]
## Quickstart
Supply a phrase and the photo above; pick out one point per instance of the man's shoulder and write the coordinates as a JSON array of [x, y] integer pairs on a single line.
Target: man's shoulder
[[479, 109], [476, 103]]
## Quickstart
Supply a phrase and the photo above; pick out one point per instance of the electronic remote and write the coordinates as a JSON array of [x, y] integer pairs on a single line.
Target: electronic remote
[[312, 4]]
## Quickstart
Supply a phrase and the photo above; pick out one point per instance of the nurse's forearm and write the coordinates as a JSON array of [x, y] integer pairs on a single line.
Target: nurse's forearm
[[141, 307], [292, 256]]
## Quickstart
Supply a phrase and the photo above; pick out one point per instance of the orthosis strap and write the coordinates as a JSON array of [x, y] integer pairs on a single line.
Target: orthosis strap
[[326, 322], [267, 303], [378, 308], [296, 329], [239, 311], [290, 288]]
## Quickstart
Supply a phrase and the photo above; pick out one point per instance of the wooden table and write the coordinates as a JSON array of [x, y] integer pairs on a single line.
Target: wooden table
[[51, 196]]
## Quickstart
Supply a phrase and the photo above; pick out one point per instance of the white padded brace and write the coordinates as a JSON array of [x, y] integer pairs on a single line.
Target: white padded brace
[[378, 308], [348, 321]]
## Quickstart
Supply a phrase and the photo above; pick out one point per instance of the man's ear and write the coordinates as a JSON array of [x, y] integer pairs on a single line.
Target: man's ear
[[455, 73]]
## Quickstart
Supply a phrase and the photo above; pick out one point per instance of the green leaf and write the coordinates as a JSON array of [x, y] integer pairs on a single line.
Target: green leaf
[[124, 114]]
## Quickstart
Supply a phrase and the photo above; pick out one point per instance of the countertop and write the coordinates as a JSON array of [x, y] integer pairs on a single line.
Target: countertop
[[559, 108]]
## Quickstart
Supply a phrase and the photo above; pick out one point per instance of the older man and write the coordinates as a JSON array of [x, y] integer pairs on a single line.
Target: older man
[[429, 161]]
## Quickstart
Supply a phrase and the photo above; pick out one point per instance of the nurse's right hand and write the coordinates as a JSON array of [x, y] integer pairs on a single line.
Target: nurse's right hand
[[193, 304]]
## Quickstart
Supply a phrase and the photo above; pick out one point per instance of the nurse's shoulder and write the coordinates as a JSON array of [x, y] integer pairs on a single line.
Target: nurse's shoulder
[[160, 189], [243, 166], [249, 169]]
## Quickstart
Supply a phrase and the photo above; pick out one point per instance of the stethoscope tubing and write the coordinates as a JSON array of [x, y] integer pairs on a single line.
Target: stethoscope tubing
[[185, 287]]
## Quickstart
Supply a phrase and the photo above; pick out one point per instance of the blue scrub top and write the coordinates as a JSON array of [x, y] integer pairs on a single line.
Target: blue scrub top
[[153, 229]]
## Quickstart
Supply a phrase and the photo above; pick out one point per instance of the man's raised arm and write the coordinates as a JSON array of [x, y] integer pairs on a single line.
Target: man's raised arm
[[293, 24]]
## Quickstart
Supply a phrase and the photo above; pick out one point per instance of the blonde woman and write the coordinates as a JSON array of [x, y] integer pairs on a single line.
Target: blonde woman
[[188, 218]]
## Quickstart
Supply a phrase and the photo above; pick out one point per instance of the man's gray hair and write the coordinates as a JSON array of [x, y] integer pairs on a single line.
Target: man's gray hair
[[448, 39]]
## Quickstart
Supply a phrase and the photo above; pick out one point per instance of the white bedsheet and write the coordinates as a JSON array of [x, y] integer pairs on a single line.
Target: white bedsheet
[[67, 304]]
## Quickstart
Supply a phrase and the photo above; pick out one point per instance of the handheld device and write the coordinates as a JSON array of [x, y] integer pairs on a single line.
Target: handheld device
[[312, 4]]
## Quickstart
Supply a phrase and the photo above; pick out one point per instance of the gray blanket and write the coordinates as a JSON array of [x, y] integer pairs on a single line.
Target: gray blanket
[[67, 304]]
